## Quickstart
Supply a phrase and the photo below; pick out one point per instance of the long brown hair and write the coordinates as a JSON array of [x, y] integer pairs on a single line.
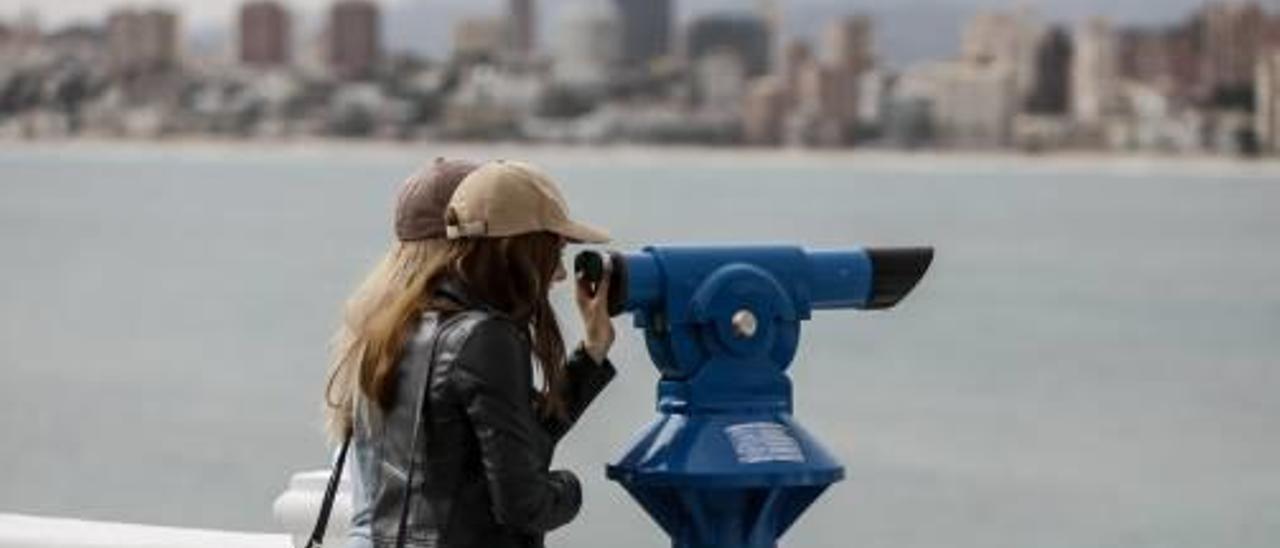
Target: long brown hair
[[512, 275]]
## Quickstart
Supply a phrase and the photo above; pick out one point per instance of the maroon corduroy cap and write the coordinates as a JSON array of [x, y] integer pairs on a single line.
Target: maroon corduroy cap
[[424, 196]]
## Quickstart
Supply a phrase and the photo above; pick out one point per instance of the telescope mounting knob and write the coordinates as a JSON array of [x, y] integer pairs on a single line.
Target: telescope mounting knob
[[745, 324]]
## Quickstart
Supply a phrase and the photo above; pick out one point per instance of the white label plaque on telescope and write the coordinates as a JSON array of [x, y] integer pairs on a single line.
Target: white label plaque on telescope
[[756, 442]]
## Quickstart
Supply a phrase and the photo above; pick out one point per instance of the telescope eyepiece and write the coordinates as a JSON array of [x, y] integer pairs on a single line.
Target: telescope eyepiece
[[589, 267]]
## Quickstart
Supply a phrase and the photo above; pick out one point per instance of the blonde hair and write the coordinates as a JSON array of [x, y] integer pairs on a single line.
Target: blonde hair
[[374, 326], [512, 274]]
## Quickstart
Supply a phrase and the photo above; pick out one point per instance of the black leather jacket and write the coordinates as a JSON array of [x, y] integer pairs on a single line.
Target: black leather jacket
[[484, 480]]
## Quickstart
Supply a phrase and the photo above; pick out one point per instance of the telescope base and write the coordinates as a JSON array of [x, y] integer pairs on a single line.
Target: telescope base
[[725, 480]]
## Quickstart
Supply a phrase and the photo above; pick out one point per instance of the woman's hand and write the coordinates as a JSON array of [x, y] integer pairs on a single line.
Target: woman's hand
[[594, 308]]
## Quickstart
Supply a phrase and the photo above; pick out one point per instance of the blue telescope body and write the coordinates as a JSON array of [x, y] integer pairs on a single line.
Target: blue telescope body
[[725, 464]]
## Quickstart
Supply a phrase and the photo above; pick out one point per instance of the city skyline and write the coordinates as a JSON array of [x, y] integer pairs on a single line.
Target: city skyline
[[213, 11], [911, 30], [1014, 78]]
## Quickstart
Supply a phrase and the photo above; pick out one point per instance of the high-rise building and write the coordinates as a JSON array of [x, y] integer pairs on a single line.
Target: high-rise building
[[1008, 38], [21, 37], [142, 41], [873, 89], [744, 34], [764, 111], [265, 34], [848, 45], [1271, 36], [1051, 93], [820, 98], [819, 90], [1143, 54], [972, 104], [1233, 32], [355, 40], [522, 18], [84, 43], [480, 38], [646, 30], [1184, 49], [1094, 72], [1267, 93], [773, 14], [589, 46], [1165, 60], [720, 79], [795, 56]]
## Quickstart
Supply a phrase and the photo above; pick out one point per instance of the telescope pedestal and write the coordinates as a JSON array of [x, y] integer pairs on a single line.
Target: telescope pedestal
[[725, 465], [734, 480]]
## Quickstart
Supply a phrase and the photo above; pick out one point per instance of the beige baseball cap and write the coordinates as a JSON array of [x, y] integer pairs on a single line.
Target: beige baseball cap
[[507, 198]]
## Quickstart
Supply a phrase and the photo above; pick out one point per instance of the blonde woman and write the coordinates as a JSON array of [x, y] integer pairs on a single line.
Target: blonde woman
[[434, 376], [420, 233]]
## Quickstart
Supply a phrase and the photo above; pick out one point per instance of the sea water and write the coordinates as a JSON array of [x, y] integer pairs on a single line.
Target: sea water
[[1093, 360]]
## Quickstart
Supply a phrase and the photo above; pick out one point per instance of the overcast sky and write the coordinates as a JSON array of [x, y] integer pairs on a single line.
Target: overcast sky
[[907, 30]]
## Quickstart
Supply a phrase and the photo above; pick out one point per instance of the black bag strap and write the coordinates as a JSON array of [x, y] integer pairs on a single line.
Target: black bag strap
[[424, 410], [330, 492], [335, 477]]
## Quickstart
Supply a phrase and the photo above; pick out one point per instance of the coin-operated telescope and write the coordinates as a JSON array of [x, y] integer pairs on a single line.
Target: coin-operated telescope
[[725, 465]]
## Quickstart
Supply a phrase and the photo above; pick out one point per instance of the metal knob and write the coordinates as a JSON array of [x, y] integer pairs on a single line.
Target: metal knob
[[744, 324]]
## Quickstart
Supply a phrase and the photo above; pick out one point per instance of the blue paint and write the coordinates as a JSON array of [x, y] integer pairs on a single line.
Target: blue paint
[[725, 464]]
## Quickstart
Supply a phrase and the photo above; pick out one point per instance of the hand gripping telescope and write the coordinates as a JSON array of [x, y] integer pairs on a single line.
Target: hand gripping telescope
[[725, 465]]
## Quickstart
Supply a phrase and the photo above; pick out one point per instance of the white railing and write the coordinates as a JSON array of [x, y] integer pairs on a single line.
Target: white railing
[[18, 531], [295, 510]]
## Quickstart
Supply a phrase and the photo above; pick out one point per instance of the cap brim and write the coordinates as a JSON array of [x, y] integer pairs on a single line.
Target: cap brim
[[579, 233]]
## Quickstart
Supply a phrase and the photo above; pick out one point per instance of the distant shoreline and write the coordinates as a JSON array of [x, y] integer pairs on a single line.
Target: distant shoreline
[[928, 160]]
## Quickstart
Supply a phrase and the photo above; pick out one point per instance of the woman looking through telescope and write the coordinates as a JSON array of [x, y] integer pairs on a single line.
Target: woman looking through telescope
[[434, 373]]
